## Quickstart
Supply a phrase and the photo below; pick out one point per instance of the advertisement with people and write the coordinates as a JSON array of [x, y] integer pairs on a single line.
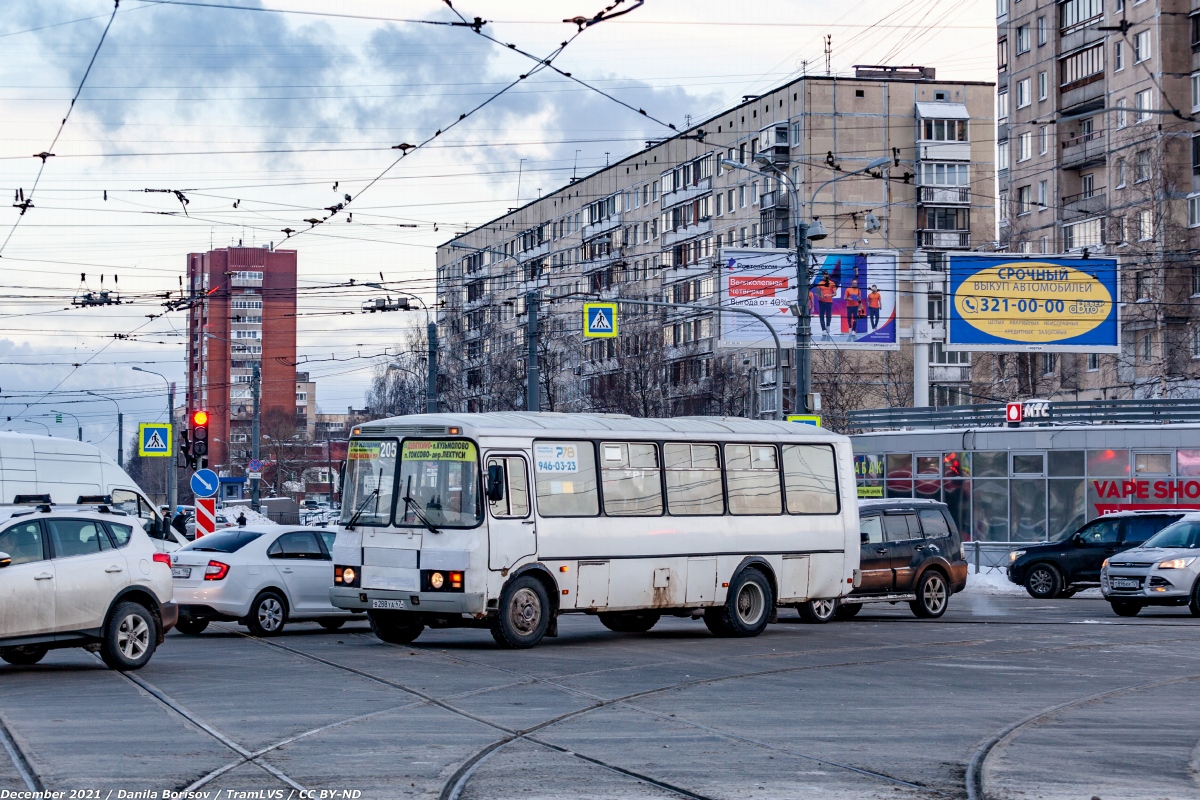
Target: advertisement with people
[[1048, 303], [851, 300]]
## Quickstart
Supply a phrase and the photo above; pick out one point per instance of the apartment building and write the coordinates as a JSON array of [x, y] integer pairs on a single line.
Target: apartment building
[[245, 315], [653, 226], [1097, 152]]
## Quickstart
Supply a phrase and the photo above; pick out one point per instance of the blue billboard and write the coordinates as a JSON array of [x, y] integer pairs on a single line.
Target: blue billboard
[[1002, 301]]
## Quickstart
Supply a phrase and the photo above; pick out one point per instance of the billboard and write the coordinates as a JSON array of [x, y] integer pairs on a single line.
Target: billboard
[[852, 298], [1016, 303]]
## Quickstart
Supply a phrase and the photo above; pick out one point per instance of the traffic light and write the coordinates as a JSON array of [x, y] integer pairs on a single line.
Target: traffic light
[[199, 436]]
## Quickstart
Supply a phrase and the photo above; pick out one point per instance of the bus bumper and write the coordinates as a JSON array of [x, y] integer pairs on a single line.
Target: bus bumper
[[353, 599]]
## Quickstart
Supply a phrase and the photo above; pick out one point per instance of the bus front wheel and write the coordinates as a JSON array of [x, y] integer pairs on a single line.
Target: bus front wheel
[[747, 608], [524, 614], [390, 627]]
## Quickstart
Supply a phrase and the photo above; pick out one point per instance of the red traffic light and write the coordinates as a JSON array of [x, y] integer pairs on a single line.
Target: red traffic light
[[199, 417]]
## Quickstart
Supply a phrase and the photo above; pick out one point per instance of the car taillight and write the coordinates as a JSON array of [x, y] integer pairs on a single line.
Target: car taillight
[[162, 558], [215, 571]]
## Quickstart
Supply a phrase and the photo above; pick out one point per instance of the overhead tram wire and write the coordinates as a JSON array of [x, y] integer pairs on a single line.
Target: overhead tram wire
[[49, 152]]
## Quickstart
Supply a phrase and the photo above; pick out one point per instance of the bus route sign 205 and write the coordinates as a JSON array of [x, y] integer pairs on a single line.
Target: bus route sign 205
[[1009, 302]]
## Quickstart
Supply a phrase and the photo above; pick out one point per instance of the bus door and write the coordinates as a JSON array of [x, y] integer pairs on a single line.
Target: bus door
[[512, 532]]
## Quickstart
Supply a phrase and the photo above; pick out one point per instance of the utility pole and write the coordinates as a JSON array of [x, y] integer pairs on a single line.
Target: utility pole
[[254, 433], [170, 461], [800, 403], [121, 440], [431, 383], [533, 392]]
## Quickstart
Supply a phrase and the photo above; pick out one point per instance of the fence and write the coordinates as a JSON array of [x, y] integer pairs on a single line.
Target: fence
[[989, 555]]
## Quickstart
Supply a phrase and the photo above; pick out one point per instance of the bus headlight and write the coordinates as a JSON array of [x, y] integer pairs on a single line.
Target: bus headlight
[[345, 576], [442, 580], [437, 580]]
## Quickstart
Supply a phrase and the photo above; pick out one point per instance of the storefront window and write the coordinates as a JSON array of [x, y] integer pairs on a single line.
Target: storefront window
[[1066, 463], [1028, 464], [899, 475], [868, 469], [1152, 463], [989, 501], [1108, 463], [1028, 510], [1065, 505], [1187, 462], [928, 465], [956, 465], [990, 465]]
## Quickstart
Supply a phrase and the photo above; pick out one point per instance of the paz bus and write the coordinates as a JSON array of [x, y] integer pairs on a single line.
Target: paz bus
[[506, 520]]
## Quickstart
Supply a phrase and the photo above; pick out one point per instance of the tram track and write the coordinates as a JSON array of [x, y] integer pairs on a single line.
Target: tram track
[[976, 767], [25, 769]]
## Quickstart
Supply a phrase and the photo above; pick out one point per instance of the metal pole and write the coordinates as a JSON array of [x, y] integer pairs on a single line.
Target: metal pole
[[121, 440], [920, 299], [755, 314], [431, 384], [804, 321], [171, 456], [254, 435], [533, 393]]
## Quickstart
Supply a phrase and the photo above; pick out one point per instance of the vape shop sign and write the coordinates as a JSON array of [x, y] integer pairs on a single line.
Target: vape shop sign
[[1145, 495]]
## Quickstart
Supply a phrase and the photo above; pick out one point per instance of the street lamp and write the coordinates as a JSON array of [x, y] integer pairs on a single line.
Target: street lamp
[[805, 231], [120, 428], [171, 421], [78, 427]]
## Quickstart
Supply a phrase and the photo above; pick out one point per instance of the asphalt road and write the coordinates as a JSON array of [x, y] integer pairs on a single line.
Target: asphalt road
[[1004, 697]]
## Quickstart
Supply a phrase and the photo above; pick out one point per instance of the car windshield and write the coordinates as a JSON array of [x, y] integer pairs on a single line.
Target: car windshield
[[1181, 534], [370, 477], [223, 541], [439, 481]]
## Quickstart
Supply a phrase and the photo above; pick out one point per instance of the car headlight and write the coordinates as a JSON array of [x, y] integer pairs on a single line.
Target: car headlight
[[1104, 564], [1015, 554], [1176, 563]]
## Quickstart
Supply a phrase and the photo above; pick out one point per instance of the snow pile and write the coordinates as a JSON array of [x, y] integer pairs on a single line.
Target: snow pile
[[229, 516], [991, 582]]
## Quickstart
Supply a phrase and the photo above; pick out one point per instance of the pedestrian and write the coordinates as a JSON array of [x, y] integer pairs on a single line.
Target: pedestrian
[[241, 520], [852, 295], [874, 301], [180, 523], [826, 289]]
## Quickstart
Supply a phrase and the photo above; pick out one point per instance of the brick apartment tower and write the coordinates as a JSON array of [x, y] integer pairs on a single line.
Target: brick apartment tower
[[247, 316]]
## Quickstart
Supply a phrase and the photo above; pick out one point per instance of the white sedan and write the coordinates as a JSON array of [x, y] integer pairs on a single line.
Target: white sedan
[[262, 576]]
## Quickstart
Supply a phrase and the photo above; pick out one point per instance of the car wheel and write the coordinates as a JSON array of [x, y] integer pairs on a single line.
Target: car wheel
[[747, 608], [848, 610], [524, 614], [1043, 581], [1126, 608], [818, 611], [129, 637], [933, 596], [1194, 601], [331, 624], [191, 626], [634, 622], [392, 628], [268, 614], [24, 655]]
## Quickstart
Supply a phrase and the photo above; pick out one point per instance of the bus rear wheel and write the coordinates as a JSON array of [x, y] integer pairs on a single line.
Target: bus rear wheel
[[392, 628], [747, 608], [524, 614], [629, 622]]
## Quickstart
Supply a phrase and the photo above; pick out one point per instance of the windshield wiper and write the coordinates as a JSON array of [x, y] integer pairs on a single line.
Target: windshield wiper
[[354, 518], [408, 502]]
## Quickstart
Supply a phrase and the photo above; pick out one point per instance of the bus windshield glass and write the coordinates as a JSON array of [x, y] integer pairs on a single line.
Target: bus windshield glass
[[439, 484], [370, 478]]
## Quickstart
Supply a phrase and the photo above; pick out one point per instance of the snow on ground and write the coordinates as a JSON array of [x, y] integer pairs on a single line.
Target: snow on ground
[[995, 582], [230, 515]]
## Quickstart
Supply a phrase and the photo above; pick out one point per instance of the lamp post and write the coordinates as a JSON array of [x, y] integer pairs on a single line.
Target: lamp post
[[78, 427], [805, 231], [171, 420], [120, 428]]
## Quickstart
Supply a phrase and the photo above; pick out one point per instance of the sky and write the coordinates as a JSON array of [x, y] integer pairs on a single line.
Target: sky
[[262, 114]]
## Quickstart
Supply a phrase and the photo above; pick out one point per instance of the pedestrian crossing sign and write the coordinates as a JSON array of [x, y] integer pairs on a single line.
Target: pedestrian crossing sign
[[600, 320], [154, 439]]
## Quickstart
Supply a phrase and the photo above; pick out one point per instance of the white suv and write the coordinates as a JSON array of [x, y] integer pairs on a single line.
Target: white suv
[[1165, 571], [81, 577]]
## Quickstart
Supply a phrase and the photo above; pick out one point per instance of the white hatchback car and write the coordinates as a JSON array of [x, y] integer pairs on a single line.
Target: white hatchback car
[[1164, 571], [262, 576], [81, 577]]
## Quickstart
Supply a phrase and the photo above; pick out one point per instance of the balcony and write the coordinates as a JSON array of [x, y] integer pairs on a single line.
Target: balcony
[[949, 373], [1084, 204], [1083, 151], [944, 240], [1077, 96], [942, 195]]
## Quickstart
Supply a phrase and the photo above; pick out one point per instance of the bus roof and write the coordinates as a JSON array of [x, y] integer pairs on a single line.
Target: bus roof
[[540, 424]]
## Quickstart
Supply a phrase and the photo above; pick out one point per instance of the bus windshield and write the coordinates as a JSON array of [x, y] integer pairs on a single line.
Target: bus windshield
[[439, 484], [370, 477]]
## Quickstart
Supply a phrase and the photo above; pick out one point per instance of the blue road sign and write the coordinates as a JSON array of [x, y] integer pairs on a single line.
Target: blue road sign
[[255, 465], [154, 439], [205, 483], [599, 320]]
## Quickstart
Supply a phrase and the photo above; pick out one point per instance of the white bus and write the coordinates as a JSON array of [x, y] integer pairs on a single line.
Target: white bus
[[505, 520]]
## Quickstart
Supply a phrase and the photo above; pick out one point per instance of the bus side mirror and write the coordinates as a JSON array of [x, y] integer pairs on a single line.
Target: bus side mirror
[[495, 483]]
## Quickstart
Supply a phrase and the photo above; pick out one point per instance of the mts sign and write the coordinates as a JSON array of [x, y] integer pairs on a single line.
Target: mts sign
[[1036, 410]]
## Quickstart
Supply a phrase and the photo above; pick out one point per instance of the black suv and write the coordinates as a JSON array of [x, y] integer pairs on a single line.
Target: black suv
[[1062, 567], [911, 551]]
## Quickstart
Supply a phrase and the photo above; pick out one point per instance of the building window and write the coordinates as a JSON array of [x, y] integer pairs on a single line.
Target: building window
[[1193, 220], [1083, 234], [1024, 146], [938, 354], [1145, 223], [1044, 140], [1120, 173], [931, 173], [1145, 347], [1195, 280], [1142, 169], [1122, 115], [1041, 194], [1004, 207], [1093, 362], [1023, 202], [1043, 85], [1049, 362], [1002, 106], [1143, 103], [1002, 55], [1079, 13], [1041, 31], [1023, 41], [1023, 98], [1001, 7], [1141, 46], [1196, 343], [1082, 68], [1196, 154], [1002, 155], [1118, 56], [1045, 244], [949, 130]]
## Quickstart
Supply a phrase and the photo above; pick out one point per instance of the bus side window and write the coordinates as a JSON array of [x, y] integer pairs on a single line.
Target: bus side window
[[693, 479], [515, 502], [752, 475], [565, 477], [810, 478], [632, 479]]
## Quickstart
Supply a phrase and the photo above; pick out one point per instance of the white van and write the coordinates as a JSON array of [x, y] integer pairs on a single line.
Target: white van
[[71, 472]]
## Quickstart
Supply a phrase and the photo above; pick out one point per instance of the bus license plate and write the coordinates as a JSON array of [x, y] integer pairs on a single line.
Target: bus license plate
[[395, 605], [181, 572], [1125, 583]]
